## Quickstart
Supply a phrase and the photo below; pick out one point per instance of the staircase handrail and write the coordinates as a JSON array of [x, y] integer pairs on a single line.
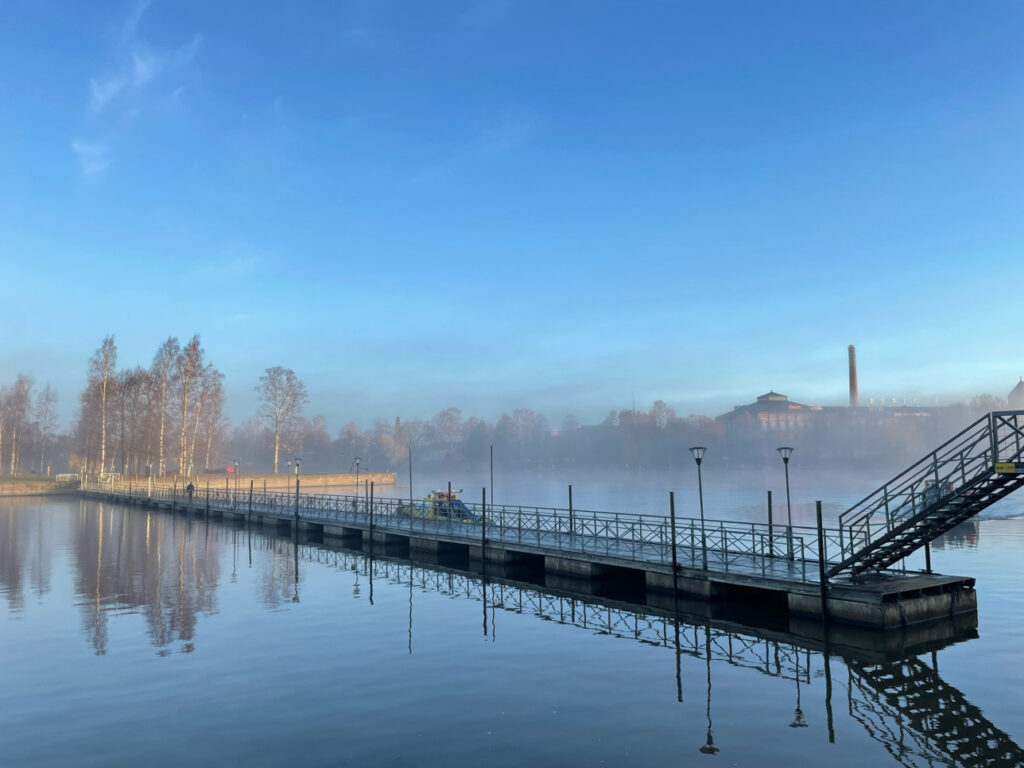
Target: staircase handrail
[[908, 477]]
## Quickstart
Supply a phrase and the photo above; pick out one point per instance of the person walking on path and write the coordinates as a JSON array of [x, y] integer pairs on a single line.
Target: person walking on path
[[190, 489]]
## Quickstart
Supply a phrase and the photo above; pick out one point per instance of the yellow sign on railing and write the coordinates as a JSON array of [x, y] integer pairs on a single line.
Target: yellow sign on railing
[[1006, 468]]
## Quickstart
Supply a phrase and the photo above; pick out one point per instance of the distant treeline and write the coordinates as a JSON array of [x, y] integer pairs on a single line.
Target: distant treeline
[[168, 419]]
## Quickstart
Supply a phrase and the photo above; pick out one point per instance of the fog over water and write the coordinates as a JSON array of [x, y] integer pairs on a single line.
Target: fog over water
[[728, 494]]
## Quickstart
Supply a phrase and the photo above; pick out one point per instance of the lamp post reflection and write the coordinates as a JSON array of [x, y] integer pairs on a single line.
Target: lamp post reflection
[[295, 594], [798, 714], [709, 747]]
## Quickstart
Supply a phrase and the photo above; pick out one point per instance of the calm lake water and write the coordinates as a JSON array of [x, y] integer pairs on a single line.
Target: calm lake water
[[131, 637]]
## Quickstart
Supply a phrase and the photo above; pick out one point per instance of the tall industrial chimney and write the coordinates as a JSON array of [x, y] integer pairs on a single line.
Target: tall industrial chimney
[[853, 377]]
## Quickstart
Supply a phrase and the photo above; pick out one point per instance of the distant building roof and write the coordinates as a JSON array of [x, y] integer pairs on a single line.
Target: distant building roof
[[769, 402], [1016, 397]]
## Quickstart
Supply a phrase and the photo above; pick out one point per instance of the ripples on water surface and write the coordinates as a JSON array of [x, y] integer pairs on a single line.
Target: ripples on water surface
[[130, 637]]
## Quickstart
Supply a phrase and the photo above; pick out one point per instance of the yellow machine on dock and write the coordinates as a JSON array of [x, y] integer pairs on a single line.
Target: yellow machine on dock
[[440, 505]]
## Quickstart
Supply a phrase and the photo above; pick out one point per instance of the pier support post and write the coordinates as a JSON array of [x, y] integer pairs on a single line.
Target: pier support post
[[927, 557]]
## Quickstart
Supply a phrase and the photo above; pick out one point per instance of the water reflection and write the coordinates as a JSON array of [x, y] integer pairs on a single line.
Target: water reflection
[[922, 720], [159, 564], [26, 553], [168, 570], [902, 702], [967, 534]]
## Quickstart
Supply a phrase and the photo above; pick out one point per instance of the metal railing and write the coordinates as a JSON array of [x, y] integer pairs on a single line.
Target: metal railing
[[746, 547]]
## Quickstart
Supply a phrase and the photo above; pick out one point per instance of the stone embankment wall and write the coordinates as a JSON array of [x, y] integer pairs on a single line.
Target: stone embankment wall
[[16, 487], [336, 483]]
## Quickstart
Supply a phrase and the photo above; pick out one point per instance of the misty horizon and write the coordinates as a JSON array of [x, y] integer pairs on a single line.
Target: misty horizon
[[341, 406]]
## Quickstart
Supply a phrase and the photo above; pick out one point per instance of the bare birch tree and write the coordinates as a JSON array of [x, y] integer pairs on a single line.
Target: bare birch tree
[[101, 370], [188, 367], [161, 371], [130, 403], [46, 419], [4, 408], [19, 405], [207, 385], [213, 411], [282, 396]]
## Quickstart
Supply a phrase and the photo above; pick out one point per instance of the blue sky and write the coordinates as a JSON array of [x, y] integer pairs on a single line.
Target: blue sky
[[495, 204]]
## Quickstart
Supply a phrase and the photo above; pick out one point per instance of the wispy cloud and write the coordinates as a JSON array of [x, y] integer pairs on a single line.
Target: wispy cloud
[[234, 259], [131, 24], [94, 157], [103, 91], [492, 139], [130, 87], [147, 64]]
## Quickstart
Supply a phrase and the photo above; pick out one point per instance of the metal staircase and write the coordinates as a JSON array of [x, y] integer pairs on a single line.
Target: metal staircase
[[967, 473]]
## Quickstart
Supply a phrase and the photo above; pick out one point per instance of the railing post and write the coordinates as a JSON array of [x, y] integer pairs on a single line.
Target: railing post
[[823, 583], [483, 530], [725, 546], [771, 528], [675, 559], [571, 526], [993, 439], [249, 518]]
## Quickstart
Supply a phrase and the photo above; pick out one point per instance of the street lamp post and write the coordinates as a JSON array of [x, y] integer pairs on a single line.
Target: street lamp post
[[235, 500], [356, 461], [698, 456], [297, 462], [785, 452]]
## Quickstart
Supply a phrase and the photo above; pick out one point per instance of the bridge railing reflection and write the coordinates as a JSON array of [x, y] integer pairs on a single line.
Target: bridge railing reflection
[[904, 704], [769, 657]]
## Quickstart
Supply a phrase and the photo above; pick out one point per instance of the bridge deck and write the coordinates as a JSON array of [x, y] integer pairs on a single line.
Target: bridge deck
[[743, 560]]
